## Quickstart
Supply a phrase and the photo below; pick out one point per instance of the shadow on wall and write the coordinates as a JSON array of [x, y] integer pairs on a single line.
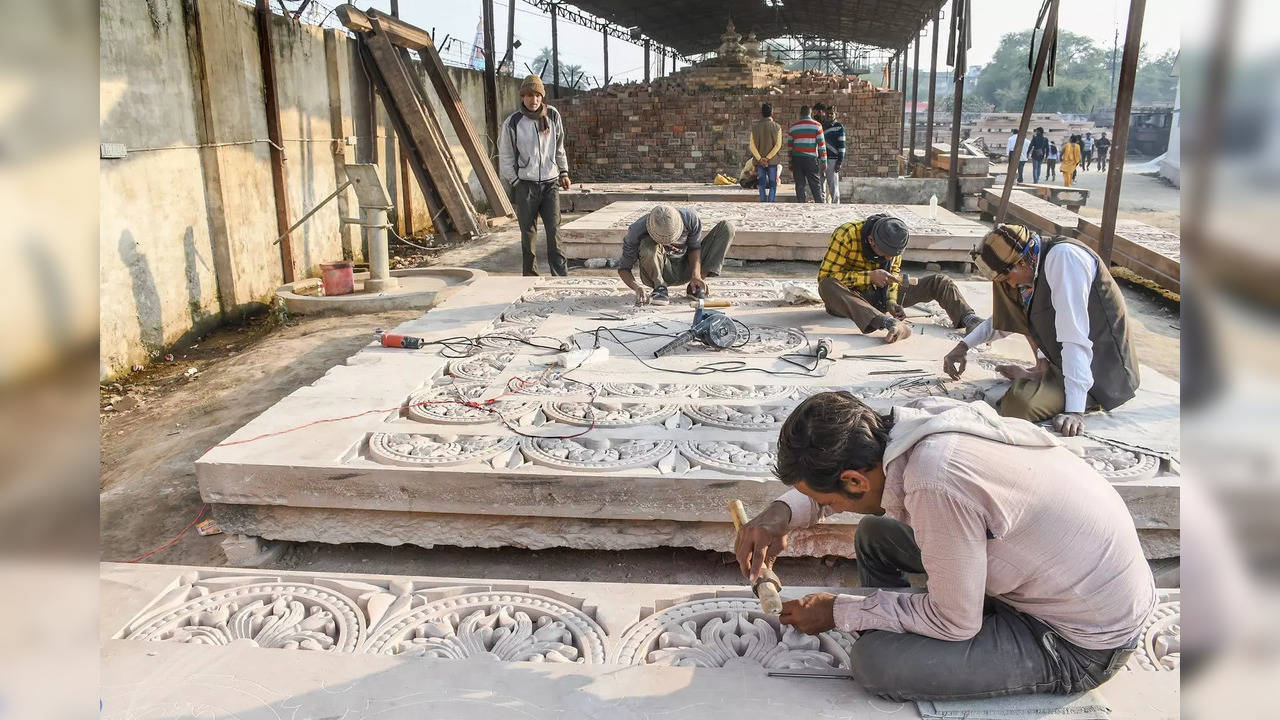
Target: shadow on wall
[[194, 292], [146, 298]]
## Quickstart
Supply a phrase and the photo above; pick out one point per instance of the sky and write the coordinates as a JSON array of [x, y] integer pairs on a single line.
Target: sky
[[1097, 19]]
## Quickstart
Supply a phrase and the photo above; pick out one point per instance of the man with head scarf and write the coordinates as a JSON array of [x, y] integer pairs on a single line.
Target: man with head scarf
[[669, 247], [860, 278], [532, 160], [1059, 294]]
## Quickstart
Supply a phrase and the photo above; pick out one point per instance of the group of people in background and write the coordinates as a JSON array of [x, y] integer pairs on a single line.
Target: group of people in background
[[1076, 154], [815, 151]]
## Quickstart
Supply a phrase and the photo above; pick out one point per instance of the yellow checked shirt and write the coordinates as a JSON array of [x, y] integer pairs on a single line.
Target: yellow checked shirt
[[846, 262]]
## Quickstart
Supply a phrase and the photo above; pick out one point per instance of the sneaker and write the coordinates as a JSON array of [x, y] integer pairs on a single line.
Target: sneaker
[[659, 296], [970, 322], [699, 294]]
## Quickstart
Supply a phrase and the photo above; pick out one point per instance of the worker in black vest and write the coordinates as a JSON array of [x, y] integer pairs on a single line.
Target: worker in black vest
[[1060, 295]]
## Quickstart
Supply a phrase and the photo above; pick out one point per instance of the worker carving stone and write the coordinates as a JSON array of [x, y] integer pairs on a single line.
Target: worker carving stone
[[1059, 295], [860, 279], [532, 160], [1036, 579], [669, 247]]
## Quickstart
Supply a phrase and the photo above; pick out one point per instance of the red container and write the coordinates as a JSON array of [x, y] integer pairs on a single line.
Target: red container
[[338, 278]]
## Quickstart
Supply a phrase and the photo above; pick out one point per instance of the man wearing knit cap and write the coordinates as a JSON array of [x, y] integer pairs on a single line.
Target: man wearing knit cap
[[860, 278], [532, 160], [1059, 294], [669, 247]]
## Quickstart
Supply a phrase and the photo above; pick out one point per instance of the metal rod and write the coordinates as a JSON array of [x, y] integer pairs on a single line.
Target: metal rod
[[1042, 58], [555, 54], [511, 34], [933, 86], [647, 53], [313, 210], [605, 37], [915, 97], [1120, 143]]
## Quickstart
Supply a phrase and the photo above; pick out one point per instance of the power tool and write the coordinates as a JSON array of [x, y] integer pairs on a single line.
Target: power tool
[[399, 341], [711, 327]]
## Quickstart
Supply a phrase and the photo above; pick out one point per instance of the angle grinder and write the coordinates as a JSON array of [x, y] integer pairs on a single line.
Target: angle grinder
[[711, 327]]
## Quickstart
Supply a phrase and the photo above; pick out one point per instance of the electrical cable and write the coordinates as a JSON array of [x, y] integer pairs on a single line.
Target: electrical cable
[[203, 509], [723, 366]]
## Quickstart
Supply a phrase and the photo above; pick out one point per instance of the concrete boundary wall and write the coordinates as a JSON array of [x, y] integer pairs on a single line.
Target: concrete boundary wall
[[187, 218]]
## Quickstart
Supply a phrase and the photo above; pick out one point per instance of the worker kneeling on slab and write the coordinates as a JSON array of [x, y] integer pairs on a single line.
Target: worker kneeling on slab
[[1036, 580], [1059, 294], [860, 278], [669, 247]]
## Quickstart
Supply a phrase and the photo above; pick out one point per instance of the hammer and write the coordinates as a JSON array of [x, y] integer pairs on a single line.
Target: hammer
[[768, 585]]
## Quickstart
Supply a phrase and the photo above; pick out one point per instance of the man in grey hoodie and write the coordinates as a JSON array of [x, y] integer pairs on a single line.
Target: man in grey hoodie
[[532, 160], [1036, 579]]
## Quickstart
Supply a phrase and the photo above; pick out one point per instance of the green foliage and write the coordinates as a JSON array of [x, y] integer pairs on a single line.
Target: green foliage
[[1082, 78]]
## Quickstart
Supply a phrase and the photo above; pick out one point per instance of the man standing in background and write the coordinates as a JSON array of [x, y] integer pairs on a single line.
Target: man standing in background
[[1087, 147], [766, 149], [1102, 146], [808, 155], [532, 160], [1039, 151], [833, 135]]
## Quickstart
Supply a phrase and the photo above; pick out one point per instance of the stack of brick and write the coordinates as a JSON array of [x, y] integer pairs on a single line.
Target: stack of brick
[[694, 123]]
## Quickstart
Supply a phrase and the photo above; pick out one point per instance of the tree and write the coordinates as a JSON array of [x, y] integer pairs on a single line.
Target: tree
[[1082, 74], [1155, 84], [542, 64]]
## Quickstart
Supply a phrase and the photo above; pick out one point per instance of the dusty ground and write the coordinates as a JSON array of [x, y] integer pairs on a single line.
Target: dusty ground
[[160, 420]]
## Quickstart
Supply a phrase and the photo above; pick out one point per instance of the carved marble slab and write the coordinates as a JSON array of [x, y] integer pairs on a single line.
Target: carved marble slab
[[609, 413], [435, 449], [649, 390], [741, 457], [595, 453], [1160, 647], [1119, 465], [761, 418], [481, 366], [751, 392], [447, 404]]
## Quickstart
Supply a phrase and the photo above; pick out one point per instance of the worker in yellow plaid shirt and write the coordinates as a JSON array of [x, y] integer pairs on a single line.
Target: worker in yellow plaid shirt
[[861, 279]]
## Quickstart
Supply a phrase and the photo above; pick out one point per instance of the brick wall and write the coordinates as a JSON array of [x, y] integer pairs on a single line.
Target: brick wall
[[670, 132]]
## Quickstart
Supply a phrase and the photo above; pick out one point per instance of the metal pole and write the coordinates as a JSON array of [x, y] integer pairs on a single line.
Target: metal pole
[[1042, 59], [490, 77], [511, 34], [902, 88], [933, 85], [279, 183], [375, 233], [604, 35], [647, 53], [1120, 141], [555, 55], [960, 21], [915, 97]]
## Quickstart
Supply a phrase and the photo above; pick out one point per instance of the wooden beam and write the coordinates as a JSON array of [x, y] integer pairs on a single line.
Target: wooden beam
[[399, 33], [490, 79], [933, 85], [1120, 143], [915, 97], [1042, 59], [959, 46], [400, 101], [270, 95]]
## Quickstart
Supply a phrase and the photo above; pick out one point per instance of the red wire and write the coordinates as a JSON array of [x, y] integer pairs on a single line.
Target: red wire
[[178, 537]]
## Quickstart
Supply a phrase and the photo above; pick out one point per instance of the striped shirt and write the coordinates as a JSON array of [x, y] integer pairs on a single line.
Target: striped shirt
[[850, 261], [804, 139]]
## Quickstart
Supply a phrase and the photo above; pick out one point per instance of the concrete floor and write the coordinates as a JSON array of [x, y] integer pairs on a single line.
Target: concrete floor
[[148, 484]]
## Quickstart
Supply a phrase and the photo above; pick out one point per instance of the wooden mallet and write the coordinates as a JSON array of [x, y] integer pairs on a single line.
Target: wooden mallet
[[768, 585]]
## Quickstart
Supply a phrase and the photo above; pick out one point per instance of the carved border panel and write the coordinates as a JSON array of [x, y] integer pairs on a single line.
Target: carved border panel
[[751, 418], [426, 406], [1160, 647], [740, 457], [606, 413], [595, 453], [481, 367], [435, 449]]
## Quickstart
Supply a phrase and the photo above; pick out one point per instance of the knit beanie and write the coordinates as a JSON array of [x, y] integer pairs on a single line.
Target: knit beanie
[[532, 85], [1003, 248], [665, 224], [890, 235]]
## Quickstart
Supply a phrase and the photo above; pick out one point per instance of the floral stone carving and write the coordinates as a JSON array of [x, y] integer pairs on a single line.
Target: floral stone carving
[[608, 413], [749, 392], [481, 367], [509, 336], [1161, 645], [1119, 465], [434, 449], [728, 632], [595, 453], [741, 457], [289, 616], [556, 382], [510, 626], [562, 294], [768, 340], [745, 417], [655, 390], [444, 404]]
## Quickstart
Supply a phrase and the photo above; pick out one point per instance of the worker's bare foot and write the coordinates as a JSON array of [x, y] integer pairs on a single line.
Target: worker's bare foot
[[898, 331]]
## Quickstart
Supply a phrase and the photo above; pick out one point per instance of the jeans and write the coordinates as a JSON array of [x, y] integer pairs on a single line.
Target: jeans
[[1050, 166], [535, 200], [833, 182], [657, 269], [806, 172], [1012, 654], [1035, 170], [1020, 164], [767, 177]]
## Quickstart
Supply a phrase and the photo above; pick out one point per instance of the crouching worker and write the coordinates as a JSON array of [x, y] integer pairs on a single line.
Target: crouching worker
[[669, 247], [860, 278], [1036, 580], [1060, 295]]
